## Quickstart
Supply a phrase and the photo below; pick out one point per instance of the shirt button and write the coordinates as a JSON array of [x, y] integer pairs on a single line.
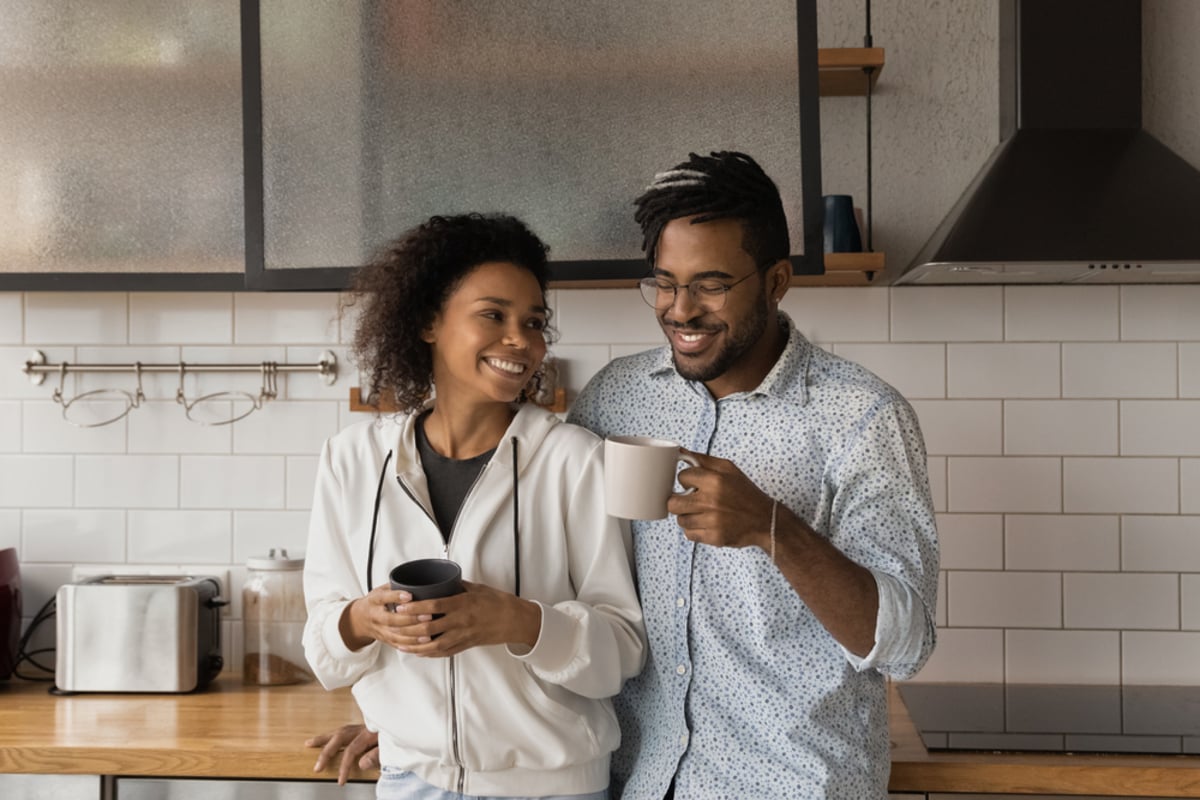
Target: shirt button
[[681, 669], [683, 740], [679, 602]]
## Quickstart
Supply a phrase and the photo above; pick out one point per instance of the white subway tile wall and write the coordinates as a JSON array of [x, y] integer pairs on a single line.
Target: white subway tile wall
[[1063, 656], [1189, 589], [1189, 369], [1137, 601], [971, 541], [1062, 425], [1062, 542]]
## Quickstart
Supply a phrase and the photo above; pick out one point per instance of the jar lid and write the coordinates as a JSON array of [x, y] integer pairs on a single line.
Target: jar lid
[[274, 561]]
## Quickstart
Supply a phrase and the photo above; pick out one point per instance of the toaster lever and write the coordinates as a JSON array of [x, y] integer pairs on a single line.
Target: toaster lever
[[215, 602]]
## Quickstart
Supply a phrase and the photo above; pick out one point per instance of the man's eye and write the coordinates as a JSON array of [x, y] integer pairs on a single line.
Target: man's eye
[[664, 286], [710, 288]]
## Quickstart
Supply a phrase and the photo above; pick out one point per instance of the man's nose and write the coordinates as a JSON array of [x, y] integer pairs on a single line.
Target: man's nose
[[683, 305]]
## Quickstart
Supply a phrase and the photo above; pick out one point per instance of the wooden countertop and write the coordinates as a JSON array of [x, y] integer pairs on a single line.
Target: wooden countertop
[[235, 731], [914, 769], [226, 730]]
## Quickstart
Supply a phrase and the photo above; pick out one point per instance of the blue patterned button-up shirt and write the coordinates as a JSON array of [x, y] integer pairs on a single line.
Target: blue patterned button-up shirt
[[745, 694]]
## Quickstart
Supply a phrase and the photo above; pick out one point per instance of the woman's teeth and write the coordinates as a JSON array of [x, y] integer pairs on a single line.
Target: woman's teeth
[[506, 366]]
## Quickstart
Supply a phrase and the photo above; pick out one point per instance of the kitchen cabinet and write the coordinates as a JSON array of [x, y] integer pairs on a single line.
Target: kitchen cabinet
[[558, 113], [50, 787], [212, 148], [122, 142], [163, 789]]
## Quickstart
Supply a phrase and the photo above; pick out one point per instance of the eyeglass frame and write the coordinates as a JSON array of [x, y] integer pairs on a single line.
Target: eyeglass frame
[[651, 281]]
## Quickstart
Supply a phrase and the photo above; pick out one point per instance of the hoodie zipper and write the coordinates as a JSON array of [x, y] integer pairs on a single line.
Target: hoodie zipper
[[454, 748]]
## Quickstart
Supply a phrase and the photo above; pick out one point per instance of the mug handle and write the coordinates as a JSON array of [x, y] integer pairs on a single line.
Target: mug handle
[[691, 462]]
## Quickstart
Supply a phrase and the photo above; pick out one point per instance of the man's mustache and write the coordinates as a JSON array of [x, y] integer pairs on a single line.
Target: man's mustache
[[691, 327]]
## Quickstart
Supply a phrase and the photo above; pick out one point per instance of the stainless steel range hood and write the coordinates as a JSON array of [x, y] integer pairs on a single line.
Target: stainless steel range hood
[[1078, 192]]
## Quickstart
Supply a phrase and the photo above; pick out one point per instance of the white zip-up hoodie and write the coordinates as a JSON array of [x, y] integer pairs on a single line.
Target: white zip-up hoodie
[[491, 720]]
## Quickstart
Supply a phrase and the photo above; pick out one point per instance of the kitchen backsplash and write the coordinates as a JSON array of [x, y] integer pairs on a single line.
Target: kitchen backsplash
[[1062, 424]]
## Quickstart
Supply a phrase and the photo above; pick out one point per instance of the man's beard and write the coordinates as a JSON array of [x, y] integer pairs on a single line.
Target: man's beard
[[740, 340]]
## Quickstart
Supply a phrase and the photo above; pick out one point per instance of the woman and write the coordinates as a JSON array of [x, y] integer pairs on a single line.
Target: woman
[[502, 690]]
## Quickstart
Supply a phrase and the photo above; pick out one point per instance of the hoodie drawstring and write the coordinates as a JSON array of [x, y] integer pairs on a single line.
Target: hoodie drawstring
[[375, 518], [516, 522], [516, 527]]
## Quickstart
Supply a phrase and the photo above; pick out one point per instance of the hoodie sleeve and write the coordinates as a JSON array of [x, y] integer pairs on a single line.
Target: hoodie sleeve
[[330, 583], [592, 644]]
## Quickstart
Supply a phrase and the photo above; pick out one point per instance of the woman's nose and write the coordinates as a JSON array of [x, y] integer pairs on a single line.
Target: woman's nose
[[517, 337]]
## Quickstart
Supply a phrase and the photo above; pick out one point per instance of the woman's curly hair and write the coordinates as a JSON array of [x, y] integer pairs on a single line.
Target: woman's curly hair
[[403, 288]]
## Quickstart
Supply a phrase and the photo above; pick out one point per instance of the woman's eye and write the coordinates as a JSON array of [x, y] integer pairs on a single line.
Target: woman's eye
[[537, 324]]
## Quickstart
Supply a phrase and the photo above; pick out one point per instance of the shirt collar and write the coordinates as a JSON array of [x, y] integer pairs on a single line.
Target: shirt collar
[[787, 380]]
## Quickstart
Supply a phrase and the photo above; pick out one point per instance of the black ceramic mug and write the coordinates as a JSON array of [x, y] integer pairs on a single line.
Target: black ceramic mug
[[427, 578]]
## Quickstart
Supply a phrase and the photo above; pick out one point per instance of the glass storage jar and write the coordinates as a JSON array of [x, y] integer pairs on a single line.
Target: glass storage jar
[[273, 616]]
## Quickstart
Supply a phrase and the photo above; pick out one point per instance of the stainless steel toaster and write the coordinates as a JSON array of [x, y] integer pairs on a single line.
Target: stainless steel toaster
[[138, 633]]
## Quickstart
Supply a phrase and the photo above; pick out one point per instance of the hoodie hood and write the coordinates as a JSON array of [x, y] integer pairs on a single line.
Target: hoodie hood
[[1078, 192]]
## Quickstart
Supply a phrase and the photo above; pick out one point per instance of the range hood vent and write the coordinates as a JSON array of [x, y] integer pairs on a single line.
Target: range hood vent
[[1079, 192]]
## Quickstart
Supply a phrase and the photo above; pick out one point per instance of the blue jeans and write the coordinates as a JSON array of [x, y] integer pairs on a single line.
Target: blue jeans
[[399, 784]]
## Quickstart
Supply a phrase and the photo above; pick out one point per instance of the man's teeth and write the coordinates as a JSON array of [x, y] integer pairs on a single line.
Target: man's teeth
[[691, 337], [507, 366]]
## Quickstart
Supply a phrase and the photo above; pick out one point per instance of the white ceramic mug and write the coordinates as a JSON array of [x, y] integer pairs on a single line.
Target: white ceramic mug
[[639, 475]]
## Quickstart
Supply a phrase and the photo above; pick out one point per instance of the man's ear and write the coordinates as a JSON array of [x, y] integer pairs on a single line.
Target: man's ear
[[778, 279]]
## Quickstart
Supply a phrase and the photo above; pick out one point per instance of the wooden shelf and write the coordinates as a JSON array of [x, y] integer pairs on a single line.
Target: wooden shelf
[[845, 269], [559, 405], [848, 71], [841, 269]]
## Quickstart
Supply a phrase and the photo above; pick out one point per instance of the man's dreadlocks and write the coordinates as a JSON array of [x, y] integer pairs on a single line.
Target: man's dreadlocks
[[720, 185]]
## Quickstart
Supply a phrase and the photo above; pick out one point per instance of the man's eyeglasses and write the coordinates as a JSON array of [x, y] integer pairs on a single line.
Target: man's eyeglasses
[[707, 294]]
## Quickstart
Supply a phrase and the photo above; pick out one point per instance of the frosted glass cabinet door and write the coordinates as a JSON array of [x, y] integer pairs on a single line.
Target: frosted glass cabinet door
[[377, 115], [121, 137]]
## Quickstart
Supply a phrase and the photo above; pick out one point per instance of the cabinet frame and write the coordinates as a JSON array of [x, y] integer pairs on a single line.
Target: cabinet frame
[[255, 276]]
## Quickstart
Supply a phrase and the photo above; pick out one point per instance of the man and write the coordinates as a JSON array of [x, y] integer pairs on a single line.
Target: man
[[802, 572], [803, 569]]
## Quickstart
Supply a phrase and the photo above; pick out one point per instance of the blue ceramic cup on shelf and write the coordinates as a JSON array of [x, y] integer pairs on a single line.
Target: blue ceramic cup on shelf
[[841, 227]]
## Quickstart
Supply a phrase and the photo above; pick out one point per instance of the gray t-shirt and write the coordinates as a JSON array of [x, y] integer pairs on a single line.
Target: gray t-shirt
[[449, 479]]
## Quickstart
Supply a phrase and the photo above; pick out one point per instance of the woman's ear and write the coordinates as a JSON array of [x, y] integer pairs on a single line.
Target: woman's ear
[[427, 333]]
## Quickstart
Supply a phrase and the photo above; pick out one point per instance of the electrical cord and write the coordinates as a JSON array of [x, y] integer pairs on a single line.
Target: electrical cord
[[46, 612]]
